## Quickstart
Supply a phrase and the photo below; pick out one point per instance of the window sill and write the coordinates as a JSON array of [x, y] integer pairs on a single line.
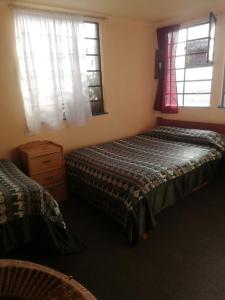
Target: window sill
[[194, 107], [99, 114]]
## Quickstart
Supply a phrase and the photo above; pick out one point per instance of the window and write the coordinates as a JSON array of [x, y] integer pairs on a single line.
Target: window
[[59, 68], [94, 67], [51, 53], [194, 64]]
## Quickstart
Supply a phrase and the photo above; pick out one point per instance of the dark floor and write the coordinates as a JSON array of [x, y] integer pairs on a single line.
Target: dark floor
[[184, 258]]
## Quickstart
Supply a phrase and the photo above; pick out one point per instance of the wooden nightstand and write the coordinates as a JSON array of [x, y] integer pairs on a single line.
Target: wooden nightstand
[[43, 161]]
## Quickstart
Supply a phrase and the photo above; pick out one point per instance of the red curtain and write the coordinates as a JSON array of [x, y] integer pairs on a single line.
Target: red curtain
[[166, 96]]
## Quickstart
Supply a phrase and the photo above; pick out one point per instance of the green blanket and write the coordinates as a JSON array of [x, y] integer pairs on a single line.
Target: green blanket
[[29, 216], [121, 176]]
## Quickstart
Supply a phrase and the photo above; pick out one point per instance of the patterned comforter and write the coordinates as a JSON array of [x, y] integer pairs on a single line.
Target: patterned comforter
[[128, 170], [29, 215]]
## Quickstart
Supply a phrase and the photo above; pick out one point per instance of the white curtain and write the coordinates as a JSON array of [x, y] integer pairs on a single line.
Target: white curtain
[[52, 68]]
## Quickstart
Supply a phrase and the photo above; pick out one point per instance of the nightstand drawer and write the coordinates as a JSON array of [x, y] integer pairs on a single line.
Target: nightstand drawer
[[58, 192], [45, 163], [50, 178]]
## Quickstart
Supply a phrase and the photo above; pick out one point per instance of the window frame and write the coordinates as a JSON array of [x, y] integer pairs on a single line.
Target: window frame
[[99, 70], [205, 65]]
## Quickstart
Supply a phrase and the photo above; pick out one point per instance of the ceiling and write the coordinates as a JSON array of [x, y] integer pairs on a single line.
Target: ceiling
[[153, 10]]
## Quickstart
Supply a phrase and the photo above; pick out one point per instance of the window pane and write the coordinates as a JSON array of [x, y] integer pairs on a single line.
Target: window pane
[[92, 47], [181, 49], [182, 35], [97, 107], [180, 62], [196, 60], [92, 62], [91, 30], [198, 87], [180, 100], [197, 32], [199, 73], [197, 46], [194, 76], [180, 87], [197, 100], [94, 67], [95, 93], [93, 78], [179, 75]]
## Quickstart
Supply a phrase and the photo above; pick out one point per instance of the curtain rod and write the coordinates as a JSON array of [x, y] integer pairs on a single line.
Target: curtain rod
[[57, 9]]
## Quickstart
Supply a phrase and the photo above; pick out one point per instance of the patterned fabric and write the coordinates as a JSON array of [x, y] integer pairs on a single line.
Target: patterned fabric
[[20, 196], [29, 215], [127, 170], [196, 136]]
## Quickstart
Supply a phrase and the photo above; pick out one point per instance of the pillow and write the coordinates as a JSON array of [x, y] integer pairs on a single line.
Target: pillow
[[196, 136]]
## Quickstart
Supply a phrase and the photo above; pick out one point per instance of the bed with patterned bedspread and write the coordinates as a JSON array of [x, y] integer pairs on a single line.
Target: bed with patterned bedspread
[[135, 178], [29, 216]]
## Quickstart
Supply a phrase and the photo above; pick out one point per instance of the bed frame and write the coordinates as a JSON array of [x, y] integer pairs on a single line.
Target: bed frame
[[190, 124]]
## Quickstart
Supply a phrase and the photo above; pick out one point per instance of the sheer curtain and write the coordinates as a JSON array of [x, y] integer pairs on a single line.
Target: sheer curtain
[[52, 68], [166, 96]]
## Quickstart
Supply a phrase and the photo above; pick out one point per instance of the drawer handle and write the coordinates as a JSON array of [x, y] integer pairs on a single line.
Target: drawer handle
[[47, 161], [49, 178]]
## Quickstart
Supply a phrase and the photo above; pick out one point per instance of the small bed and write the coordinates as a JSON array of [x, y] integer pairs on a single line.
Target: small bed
[[135, 178], [29, 216]]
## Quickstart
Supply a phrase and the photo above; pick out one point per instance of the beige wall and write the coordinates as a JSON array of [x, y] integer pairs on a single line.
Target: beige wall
[[128, 48], [128, 63], [212, 114]]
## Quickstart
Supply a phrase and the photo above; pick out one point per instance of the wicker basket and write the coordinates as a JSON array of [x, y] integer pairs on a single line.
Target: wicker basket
[[24, 280]]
